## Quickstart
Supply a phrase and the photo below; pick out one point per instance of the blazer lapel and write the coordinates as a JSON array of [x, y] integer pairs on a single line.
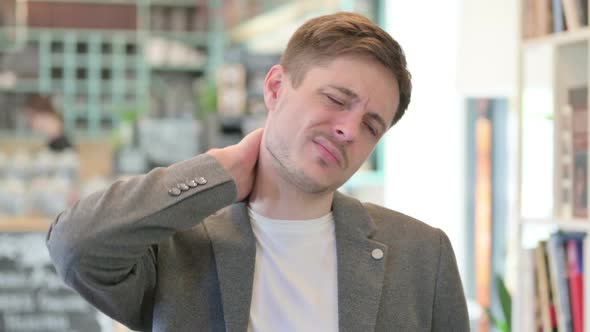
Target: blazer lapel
[[234, 248], [360, 269]]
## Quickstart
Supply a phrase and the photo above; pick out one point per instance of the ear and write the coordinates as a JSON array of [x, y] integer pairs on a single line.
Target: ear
[[272, 86]]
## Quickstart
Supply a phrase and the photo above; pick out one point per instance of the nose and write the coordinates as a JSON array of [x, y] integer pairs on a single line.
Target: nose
[[346, 129]]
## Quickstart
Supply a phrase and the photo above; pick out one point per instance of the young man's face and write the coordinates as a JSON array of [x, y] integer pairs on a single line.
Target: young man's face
[[320, 133]]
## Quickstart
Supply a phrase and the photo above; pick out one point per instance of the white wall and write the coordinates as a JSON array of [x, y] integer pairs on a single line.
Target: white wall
[[487, 49], [425, 151]]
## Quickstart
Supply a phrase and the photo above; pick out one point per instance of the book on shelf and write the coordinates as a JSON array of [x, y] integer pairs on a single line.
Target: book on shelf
[[543, 288], [537, 18], [558, 16], [543, 17], [576, 281], [575, 12], [559, 280], [551, 287]]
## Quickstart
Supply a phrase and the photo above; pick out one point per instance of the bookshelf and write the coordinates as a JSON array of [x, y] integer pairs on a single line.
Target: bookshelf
[[552, 102], [559, 38], [566, 224]]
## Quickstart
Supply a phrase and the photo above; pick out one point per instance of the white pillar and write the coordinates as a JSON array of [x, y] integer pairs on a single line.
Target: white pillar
[[425, 151]]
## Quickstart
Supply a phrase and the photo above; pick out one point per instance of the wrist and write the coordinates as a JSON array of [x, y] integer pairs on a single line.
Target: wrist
[[223, 158]]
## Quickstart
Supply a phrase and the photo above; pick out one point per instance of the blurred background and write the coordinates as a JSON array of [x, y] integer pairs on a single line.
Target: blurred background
[[493, 148]]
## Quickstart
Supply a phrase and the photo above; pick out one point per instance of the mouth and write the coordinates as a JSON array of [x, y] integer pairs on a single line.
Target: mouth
[[329, 150]]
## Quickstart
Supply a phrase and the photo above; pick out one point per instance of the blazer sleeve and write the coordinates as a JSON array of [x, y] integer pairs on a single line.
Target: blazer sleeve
[[450, 307], [104, 246]]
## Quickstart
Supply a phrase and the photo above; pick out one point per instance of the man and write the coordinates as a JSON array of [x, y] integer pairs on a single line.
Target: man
[[254, 237], [44, 119]]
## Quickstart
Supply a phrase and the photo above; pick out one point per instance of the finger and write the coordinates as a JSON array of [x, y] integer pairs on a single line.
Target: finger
[[255, 133], [253, 138]]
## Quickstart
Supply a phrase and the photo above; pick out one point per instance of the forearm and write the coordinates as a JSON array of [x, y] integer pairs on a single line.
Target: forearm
[[113, 229], [106, 245]]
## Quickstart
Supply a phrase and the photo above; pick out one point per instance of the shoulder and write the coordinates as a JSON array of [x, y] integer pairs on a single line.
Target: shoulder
[[389, 221], [408, 236]]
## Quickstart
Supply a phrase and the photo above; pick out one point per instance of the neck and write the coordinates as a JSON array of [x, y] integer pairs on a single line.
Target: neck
[[275, 197]]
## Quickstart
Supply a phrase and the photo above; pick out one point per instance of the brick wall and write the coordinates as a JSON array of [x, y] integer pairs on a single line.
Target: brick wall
[[82, 16]]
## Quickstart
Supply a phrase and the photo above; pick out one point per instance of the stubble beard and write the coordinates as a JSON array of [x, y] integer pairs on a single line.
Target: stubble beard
[[286, 169]]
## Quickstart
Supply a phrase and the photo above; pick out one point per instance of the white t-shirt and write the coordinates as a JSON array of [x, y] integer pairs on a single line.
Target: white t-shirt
[[295, 275]]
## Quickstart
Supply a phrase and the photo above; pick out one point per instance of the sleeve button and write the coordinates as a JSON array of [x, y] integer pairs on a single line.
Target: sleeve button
[[174, 191]]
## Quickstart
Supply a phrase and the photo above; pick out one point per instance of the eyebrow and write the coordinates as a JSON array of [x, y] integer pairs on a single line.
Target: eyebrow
[[345, 91], [353, 95]]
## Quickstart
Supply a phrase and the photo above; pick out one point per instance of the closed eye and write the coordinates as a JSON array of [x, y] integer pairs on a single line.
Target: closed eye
[[372, 129], [335, 101]]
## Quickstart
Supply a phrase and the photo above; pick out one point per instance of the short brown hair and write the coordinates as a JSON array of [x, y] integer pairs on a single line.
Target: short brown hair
[[41, 104], [322, 39]]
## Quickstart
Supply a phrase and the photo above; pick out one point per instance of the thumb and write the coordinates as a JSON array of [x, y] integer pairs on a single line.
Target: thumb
[[252, 140]]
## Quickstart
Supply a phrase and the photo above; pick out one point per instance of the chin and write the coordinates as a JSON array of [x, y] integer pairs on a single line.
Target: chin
[[320, 183], [308, 175], [310, 182], [326, 176]]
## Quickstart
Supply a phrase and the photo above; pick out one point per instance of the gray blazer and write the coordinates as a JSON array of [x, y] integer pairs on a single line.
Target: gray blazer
[[159, 262]]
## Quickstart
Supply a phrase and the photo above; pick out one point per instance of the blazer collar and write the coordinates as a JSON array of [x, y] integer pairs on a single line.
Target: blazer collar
[[360, 275], [361, 270], [234, 248]]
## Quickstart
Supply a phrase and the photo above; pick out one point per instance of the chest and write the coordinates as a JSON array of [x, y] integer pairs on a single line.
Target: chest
[[214, 290]]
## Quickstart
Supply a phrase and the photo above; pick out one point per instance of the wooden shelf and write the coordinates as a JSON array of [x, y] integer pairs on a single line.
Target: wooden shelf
[[559, 38], [564, 224], [24, 224]]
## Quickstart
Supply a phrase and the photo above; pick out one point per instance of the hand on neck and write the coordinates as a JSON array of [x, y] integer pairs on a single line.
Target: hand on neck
[[274, 196]]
